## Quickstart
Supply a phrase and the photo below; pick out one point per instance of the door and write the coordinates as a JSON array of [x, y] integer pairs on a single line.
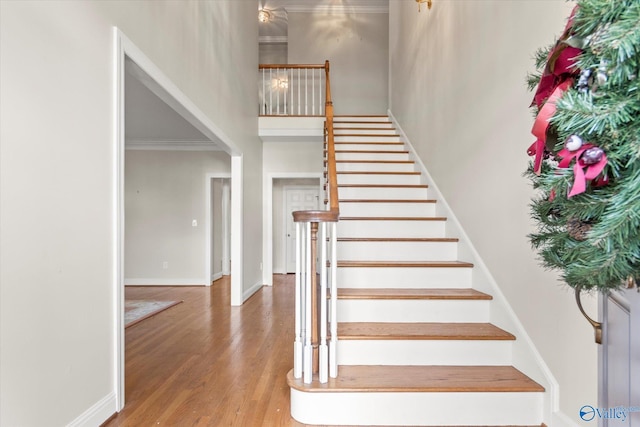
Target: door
[[620, 361], [296, 199]]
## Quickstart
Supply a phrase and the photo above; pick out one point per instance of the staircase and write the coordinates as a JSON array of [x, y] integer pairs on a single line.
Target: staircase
[[415, 345]]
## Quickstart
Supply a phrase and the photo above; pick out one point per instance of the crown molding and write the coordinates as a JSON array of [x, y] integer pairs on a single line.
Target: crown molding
[[273, 39], [171, 145], [324, 8]]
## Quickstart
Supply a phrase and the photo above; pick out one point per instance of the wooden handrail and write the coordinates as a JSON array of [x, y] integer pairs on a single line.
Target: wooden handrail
[[274, 66]]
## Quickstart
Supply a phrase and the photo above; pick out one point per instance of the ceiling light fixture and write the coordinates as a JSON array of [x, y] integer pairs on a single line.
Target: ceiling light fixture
[[428, 2], [264, 15]]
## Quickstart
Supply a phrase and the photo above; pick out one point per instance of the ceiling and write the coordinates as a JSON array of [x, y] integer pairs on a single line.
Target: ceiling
[[150, 123], [276, 28]]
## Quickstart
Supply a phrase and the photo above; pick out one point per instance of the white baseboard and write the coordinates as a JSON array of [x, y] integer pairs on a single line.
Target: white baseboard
[[96, 414], [252, 290], [216, 276], [164, 282]]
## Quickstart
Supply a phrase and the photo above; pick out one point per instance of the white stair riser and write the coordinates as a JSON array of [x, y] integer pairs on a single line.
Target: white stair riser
[[414, 408], [375, 167], [413, 310], [366, 138], [390, 228], [343, 127], [367, 146], [374, 130], [339, 119], [398, 251], [424, 352], [395, 179], [386, 209], [371, 156], [404, 277], [383, 193]]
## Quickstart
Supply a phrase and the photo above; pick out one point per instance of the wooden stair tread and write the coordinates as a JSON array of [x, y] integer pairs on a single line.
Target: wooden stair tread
[[393, 218], [361, 128], [432, 264], [434, 379], [375, 135], [371, 151], [367, 142], [387, 201], [383, 185], [376, 173], [361, 115], [412, 294], [398, 239], [402, 162], [421, 331], [361, 122]]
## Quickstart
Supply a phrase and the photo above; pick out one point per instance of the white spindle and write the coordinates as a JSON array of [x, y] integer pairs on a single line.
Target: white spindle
[[263, 106], [270, 91], [313, 92], [297, 345], [324, 352], [308, 349], [299, 87], [333, 360]]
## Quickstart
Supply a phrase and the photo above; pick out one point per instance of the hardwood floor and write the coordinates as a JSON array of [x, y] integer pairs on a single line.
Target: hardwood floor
[[205, 363]]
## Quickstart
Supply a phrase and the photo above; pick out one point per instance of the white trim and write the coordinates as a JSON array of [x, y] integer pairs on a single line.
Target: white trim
[[192, 281], [267, 217], [208, 225], [118, 217], [216, 276], [326, 8], [525, 354], [226, 231], [171, 145], [102, 410], [141, 67], [252, 290], [273, 39], [236, 230]]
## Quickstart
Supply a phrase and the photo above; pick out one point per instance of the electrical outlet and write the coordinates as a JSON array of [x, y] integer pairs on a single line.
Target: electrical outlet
[[194, 223], [165, 265]]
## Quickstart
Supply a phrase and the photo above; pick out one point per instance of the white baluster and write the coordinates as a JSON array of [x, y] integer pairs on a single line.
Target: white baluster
[[333, 359], [270, 91], [308, 348], [263, 102], [313, 92], [297, 345], [324, 351], [299, 87]]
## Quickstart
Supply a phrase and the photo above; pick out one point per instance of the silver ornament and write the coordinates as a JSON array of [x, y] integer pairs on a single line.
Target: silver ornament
[[573, 143]]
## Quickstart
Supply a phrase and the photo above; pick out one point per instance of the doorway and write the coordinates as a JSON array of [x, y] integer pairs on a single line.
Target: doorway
[[218, 226], [128, 58], [296, 198]]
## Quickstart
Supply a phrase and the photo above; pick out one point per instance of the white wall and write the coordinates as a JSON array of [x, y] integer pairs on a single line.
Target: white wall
[[273, 53], [279, 224], [57, 179], [164, 193], [291, 160], [357, 46], [457, 77]]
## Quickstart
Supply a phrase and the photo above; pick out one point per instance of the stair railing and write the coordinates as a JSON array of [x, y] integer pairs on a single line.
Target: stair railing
[[314, 348], [292, 89]]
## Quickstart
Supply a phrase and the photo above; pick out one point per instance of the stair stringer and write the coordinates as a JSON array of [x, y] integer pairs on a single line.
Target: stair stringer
[[526, 356]]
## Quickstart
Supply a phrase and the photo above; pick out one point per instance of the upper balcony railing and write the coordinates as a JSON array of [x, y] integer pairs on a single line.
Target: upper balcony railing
[[292, 89]]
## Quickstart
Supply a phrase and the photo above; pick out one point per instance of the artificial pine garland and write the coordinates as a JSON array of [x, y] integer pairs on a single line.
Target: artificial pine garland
[[587, 155]]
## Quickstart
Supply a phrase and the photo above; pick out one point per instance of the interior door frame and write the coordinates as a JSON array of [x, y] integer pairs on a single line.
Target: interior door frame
[[286, 188], [267, 217], [156, 81], [209, 225]]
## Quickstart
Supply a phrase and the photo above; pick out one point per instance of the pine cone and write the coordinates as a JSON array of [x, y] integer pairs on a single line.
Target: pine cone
[[578, 229]]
